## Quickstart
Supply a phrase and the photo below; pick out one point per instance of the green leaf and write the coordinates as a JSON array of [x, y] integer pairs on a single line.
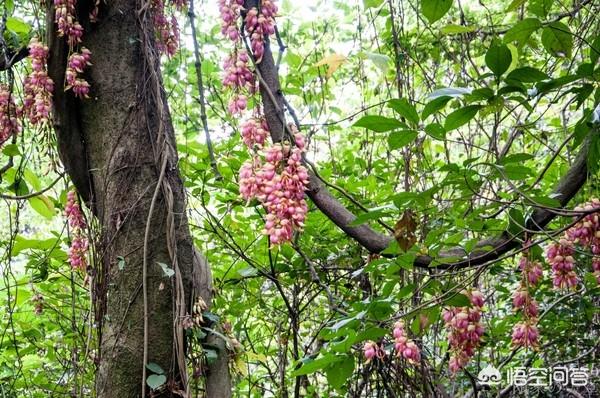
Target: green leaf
[[527, 74], [381, 61], [498, 59], [18, 27], [339, 373], [595, 50], [453, 29], [541, 8], [43, 206], [435, 9], [516, 158], [460, 117], [168, 271], [310, 365], [405, 291], [557, 39], [458, 300], [211, 355], [22, 243], [371, 215], [156, 381], [11, 150], [155, 368], [372, 3], [453, 92], [514, 5], [121, 263], [436, 130], [517, 172], [434, 106], [522, 30], [406, 109], [379, 124], [399, 139]]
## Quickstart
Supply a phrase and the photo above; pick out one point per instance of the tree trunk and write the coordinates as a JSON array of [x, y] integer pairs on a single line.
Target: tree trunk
[[119, 149]]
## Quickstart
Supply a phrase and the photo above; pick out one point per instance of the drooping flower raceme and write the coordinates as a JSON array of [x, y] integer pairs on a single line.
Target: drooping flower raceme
[[371, 350], [260, 24], [230, 12], [79, 242], [9, 124], [584, 235], [532, 270], [560, 257], [76, 64], [38, 87], [66, 21], [404, 346], [167, 29], [526, 334], [464, 330], [275, 177]]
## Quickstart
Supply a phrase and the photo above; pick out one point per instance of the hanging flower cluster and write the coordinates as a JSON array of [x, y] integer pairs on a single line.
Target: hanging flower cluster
[[65, 16], [79, 243], [372, 350], [585, 235], [38, 87], [464, 330], [66, 20], [525, 333], [9, 124], [260, 24], [230, 11], [38, 303], [76, 64], [404, 346], [275, 175], [167, 28]]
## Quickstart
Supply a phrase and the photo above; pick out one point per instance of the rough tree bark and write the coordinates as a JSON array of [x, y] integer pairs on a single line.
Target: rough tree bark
[[119, 150]]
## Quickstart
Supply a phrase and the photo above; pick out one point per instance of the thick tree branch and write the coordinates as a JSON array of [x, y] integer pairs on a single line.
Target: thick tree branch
[[13, 58], [374, 241]]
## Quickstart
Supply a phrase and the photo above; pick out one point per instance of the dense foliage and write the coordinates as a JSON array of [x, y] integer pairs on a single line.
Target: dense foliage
[[462, 131]]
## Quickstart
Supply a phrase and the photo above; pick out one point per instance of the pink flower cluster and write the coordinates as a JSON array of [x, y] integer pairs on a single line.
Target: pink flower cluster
[[532, 270], [522, 301], [79, 243], [76, 64], [276, 177], [237, 74], [254, 132], [66, 20], [585, 234], [404, 346], [95, 11], [464, 330], [167, 29], [259, 24], [560, 257], [230, 11], [526, 334], [239, 78], [9, 124], [371, 350], [38, 87]]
